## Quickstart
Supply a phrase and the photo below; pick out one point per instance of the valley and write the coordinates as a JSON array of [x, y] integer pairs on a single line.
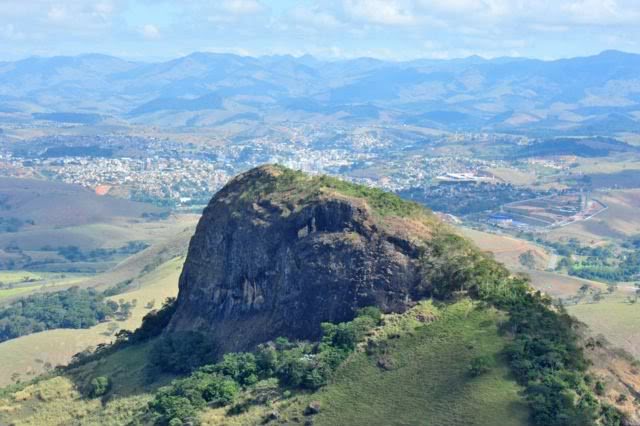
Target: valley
[[293, 167], [432, 346]]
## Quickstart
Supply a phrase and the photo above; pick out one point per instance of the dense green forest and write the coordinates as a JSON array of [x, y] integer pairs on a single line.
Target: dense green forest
[[75, 254], [72, 308]]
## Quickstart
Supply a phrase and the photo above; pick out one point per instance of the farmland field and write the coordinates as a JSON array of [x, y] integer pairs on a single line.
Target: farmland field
[[615, 318], [619, 221], [507, 250], [29, 355], [20, 283]]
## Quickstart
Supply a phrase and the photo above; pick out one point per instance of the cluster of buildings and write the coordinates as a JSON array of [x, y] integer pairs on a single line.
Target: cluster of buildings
[[183, 173]]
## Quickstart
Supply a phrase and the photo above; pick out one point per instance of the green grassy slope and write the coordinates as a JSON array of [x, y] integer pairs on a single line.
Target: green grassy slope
[[425, 381], [429, 382], [424, 378], [61, 400], [615, 318]]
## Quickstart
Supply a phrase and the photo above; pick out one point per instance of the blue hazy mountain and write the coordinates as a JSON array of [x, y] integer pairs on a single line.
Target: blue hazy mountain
[[598, 94]]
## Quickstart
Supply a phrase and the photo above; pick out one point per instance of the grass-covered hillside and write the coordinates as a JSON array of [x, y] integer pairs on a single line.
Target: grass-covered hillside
[[24, 357], [474, 345], [419, 370], [419, 365]]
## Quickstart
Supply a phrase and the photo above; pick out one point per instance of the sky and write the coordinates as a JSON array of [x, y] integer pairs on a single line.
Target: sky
[[330, 29]]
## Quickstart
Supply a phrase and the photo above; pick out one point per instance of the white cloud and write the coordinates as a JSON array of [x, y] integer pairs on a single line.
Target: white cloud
[[385, 12], [334, 28], [9, 32], [243, 7], [56, 13], [313, 17], [150, 32]]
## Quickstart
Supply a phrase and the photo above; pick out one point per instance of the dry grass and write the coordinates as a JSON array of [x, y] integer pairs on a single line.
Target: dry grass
[[27, 355], [614, 318], [507, 250]]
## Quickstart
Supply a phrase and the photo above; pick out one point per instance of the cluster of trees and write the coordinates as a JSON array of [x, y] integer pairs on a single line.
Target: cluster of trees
[[72, 308], [527, 259], [13, 224], [75, 254], [544, 353], [545, 356], [294, 364], [602, 263], [624, 268], [153, 323], [466, 199]]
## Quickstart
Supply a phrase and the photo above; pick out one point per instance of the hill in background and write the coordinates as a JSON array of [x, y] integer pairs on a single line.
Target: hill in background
[[577, 95], [462, 340]]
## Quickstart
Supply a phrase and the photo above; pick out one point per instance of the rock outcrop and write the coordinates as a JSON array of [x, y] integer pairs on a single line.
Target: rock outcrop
[[277, 252]]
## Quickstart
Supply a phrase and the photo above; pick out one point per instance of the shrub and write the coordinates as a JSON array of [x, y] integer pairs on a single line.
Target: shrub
[[341, 335], [183, 352], [99, 386], [372, 312], [241, 367], [171, 409], [184, 397], [220, 392], [480, 365], [155, 321]]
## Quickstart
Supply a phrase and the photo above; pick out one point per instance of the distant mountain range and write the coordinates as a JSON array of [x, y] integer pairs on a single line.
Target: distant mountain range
[[597, 94]]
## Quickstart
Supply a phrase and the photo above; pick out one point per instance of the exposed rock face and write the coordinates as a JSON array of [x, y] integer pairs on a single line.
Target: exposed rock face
[[279, 261]]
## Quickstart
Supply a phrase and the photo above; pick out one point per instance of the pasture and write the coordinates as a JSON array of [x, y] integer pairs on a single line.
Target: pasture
[[30, 355], [613, 317]]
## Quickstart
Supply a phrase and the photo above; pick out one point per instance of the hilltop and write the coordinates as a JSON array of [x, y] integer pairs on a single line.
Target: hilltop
[[309, 300], [278, 252]]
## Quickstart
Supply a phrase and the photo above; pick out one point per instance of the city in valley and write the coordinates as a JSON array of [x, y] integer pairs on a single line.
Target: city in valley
[[319, 213]]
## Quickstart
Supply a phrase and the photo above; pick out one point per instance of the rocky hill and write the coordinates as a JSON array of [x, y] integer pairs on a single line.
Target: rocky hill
[[278, 252], [267, 328]]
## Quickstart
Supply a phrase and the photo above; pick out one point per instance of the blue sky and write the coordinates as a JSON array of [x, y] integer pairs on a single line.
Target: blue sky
[[389, 29]]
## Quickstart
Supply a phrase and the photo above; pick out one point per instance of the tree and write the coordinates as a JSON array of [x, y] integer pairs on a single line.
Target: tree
[[527, 259], [584, 289], [182, 352], [480, 365], [597, 296], [99, 386], [220, 391]]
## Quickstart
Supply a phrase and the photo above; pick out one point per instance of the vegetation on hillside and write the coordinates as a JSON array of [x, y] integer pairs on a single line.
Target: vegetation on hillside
[[539, 342], [72, 308], [75, 254], [422, 365], [603, 263], [294, 364], [297, 183], [544, 353]]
